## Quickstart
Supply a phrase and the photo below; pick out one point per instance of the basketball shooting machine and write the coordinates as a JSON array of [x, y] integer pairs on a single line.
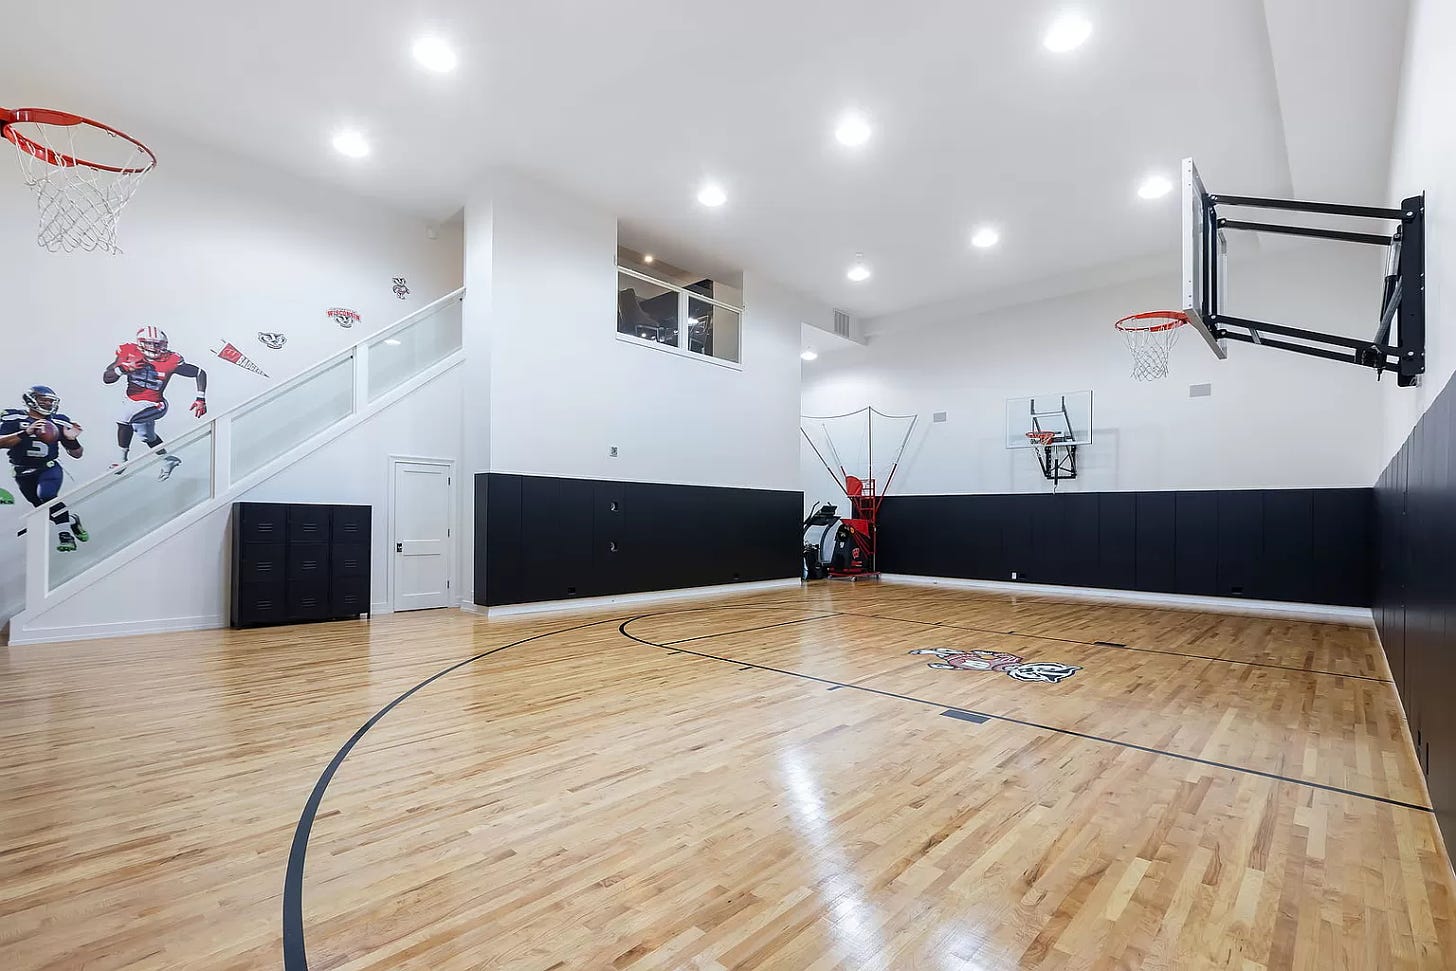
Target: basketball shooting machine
[[844, 445], [1150, 336]]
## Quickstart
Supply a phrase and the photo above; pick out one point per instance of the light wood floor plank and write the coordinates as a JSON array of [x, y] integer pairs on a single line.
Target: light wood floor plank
[[775, 788]]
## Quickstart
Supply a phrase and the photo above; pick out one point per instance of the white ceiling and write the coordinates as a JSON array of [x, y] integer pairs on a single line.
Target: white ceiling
[[631, 104]]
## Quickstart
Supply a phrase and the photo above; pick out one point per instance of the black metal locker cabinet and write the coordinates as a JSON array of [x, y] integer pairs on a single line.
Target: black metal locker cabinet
[[297, 562]]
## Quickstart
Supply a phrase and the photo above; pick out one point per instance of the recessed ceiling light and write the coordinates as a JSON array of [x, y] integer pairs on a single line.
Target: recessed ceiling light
[[809, 354], [712, 195], [648, 258], [854, 130], [1067, 33], [858, 273], [351, 143], [1155, 187], [985, 236], [434, 54]]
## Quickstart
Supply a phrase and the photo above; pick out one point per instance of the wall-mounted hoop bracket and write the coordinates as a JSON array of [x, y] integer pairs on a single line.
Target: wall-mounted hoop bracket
[[1057, 459], [1403, 300]]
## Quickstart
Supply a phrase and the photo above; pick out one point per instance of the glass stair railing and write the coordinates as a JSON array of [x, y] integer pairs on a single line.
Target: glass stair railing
[[232, 451]]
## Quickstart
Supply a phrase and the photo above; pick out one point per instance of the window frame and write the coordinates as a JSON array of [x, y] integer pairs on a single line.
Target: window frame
[[681, 348]]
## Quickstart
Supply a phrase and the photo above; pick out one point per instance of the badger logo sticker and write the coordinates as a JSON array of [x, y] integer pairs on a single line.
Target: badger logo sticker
[[343, 316], [1046, 672], [272, 339]]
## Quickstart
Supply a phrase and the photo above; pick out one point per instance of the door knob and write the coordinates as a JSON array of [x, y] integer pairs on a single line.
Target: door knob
[[399, 547]]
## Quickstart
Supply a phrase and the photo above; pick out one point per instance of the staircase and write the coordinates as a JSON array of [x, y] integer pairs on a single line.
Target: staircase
[[127, 513]]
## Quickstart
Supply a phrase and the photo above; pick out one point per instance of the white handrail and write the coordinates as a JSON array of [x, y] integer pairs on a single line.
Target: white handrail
[[39, 516]]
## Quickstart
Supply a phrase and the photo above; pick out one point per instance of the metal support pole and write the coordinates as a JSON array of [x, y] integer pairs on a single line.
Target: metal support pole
[[1372, 239], [1291, 205], [1262, 327]]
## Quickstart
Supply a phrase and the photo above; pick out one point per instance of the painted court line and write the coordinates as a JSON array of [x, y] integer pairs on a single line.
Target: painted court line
[[295, 956], [1039, 725], [747, 630], [1122, 647]]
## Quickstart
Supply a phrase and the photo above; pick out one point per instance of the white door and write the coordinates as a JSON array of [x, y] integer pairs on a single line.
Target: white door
[[420, 527]]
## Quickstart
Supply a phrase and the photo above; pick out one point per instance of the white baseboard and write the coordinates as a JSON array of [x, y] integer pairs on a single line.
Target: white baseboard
[[91, 632], [632, 599], [1320, 613], [162, 625]]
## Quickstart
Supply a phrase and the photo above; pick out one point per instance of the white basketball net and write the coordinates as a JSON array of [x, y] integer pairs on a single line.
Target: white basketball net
[[1151, 343], [80, 199]]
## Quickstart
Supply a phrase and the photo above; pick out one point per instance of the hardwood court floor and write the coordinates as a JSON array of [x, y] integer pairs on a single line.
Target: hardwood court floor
[[764, 782]]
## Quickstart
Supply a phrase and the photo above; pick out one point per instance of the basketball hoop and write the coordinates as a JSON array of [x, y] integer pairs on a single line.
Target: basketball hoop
[[83, 173], [1151, 337], [1058, 460]]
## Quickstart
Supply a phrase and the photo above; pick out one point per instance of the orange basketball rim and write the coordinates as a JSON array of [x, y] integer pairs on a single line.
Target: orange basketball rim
[[11, 118], [83, 173]]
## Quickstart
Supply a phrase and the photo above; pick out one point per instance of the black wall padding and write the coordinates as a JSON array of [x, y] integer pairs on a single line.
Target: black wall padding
[[539, 538], [1302, 545], [1415, 592]]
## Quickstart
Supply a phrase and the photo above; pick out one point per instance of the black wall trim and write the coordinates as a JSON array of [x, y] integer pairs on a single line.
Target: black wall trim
[[540, 538], [1415, 592], [1298, 545]]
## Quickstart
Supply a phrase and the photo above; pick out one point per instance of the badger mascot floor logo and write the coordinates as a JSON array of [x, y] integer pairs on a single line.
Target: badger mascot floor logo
[[1047, 672]]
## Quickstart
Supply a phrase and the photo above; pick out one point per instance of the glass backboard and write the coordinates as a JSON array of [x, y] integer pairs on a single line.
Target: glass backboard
[[1203, 264], [1066, 414]]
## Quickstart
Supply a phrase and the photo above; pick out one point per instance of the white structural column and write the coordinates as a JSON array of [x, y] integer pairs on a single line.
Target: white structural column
[[475, 406]]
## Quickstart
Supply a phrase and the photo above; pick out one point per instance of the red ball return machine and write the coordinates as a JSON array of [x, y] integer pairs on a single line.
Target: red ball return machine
[[845, 548]]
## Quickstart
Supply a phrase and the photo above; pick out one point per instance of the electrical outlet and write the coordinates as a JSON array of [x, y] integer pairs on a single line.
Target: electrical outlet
[[612, 452], [1015, 575]]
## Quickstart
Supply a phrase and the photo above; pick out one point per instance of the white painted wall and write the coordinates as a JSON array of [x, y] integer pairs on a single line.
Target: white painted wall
[[186, 579], [1274, 419], [554, 389], [216, 249], [476, 316], [1423, 159], [563, 389]]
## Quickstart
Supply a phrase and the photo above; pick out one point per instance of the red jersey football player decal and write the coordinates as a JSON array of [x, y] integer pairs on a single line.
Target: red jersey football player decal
[[148, 365]]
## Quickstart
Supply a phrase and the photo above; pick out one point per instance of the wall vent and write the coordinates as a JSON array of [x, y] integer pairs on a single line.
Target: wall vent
[[843, 324]]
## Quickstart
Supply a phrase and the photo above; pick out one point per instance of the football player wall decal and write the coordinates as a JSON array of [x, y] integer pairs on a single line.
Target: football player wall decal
[[148, 364], [32, 437]]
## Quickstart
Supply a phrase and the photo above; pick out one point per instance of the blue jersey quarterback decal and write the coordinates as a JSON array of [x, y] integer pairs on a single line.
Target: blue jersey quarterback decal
[[1046, 672]]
